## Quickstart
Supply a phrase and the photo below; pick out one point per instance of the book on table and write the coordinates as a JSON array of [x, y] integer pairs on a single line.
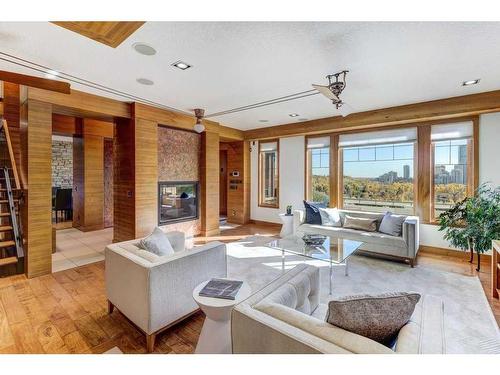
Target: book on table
[[221, 288]]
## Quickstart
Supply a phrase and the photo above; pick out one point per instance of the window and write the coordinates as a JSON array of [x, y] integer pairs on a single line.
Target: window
[[318, 170], [268, 174], [378, 171], [452, 180]]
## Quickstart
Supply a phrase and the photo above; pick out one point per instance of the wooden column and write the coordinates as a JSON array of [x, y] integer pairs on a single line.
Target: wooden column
[[146, 177], [423, 177], [209, 184], [36, 135], [88, 176], [135, 164], [123, 181]]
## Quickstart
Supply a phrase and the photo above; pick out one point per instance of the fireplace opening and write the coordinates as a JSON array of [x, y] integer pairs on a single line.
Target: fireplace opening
[[177, 201]]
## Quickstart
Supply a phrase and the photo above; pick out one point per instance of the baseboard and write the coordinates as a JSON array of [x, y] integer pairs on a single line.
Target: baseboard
[[452, 253], [261, 222]]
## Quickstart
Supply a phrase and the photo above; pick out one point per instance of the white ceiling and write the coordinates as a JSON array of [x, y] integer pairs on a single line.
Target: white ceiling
[[241, 63]]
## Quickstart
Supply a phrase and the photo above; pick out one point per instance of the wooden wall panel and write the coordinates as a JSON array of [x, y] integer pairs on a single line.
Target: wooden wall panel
[[108, 183], [123, 180], [146, 176], [37, 210], [78, 182], [209, 178], [93, 152], [238, 208], [12, 108]]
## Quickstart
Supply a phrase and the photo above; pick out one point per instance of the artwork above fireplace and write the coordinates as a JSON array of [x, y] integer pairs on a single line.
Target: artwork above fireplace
[[177, 201]]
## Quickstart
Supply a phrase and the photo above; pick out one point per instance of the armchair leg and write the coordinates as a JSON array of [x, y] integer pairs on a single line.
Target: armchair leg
[[111, 307], [150, 342], [412, 262]]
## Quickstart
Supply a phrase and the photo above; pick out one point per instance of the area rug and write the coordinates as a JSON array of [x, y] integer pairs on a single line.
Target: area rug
[[470, 326]]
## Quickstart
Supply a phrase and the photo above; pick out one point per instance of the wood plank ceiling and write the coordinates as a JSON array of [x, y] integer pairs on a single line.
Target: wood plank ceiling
[[110, 33]]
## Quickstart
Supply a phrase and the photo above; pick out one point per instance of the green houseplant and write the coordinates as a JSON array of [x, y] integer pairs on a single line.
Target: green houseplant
[[472, 223]]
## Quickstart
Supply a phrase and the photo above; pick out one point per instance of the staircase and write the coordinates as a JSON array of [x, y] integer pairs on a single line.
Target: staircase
[[11, 196]]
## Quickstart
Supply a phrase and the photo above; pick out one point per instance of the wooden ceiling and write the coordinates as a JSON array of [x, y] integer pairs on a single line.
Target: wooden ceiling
[[110, 33]]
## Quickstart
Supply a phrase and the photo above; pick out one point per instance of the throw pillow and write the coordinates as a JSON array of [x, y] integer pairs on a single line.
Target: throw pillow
[[157, 243], [330, 217], [359, 223], [392, 224], [312, 212], [378, 317]]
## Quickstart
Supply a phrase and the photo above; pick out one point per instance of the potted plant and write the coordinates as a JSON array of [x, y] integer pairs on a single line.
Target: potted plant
[[472, 223], [289, 210]]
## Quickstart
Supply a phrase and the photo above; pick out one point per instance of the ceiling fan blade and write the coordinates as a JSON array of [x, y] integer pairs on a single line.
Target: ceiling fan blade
[[345, 109], [326, 92]]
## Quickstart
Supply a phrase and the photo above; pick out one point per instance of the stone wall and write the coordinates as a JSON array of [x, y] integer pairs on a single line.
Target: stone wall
[[62, 162]]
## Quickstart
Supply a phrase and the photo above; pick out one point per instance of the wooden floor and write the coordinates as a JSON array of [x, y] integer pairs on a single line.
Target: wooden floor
[[66, 312]]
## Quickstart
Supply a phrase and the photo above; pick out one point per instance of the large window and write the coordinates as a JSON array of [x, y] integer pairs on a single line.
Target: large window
[[451, 178], [378, 171], [318, 170], [269, 174]]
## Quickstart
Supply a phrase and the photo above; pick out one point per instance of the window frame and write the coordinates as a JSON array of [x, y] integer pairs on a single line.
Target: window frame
[[261, 176], [472, 164], [415, 166], [331, 167]]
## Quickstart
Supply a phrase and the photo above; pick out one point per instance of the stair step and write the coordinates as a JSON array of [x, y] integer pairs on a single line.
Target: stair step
[[6, 214], [7, 243], [5, 228], [9, 260], [7, 201]]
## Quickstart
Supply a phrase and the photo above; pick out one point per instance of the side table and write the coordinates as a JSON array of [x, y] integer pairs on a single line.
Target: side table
[[215, 336], [287, 227]]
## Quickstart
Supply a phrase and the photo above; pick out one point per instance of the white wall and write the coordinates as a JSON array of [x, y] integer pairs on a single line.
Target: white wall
[[292, 175], [291, 179]]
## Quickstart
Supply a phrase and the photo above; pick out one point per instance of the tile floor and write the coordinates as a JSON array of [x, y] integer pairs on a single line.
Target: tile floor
[[76, 248]]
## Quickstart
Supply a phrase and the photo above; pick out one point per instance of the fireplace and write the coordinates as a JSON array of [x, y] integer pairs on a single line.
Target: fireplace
[[177, 201]]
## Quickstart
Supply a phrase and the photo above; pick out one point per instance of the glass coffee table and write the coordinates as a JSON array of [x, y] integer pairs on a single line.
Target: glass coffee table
[[333, 251]]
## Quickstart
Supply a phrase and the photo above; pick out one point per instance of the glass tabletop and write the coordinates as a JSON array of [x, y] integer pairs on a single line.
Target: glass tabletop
[[333, 250]]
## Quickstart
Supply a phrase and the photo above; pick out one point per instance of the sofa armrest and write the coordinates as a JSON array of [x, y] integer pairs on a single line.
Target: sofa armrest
[[177, 240], [299, 216], [172, 281], [411, 235], [127, 284]]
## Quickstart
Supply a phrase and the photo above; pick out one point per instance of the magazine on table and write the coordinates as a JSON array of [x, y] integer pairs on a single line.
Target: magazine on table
[[221, 288]]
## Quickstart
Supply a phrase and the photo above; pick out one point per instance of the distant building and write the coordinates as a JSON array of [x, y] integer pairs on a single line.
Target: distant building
[[406, 172], [389, 177], [441, 175]]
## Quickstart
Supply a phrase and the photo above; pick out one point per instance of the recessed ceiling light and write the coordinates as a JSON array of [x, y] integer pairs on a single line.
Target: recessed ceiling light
[[294, 115], [145, 81], [471, 82], [263, 120], [144, 49], [51, 74], [181, 65]]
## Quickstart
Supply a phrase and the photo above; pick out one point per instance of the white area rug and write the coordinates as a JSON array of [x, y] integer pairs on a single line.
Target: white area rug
[[470, 326]]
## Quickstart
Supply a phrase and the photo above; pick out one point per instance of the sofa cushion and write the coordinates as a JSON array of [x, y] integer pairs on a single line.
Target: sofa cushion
[[330, 217], [364, 224], [376, 238], [157, 243], [312, 212], [392, 224], [378, 317]]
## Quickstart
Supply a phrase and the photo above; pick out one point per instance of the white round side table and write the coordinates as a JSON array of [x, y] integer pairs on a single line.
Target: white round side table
[[287, 227], [215, 336]]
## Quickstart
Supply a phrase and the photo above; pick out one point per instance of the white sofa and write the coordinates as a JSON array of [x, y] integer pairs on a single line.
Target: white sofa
[[403, 247], [155, 292], [285, 317]]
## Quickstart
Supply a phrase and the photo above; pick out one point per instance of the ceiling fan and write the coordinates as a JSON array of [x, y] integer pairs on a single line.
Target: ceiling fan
[[336, 84]]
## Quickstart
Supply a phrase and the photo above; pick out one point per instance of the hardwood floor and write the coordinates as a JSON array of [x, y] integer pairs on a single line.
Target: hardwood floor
[[66, 312]]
